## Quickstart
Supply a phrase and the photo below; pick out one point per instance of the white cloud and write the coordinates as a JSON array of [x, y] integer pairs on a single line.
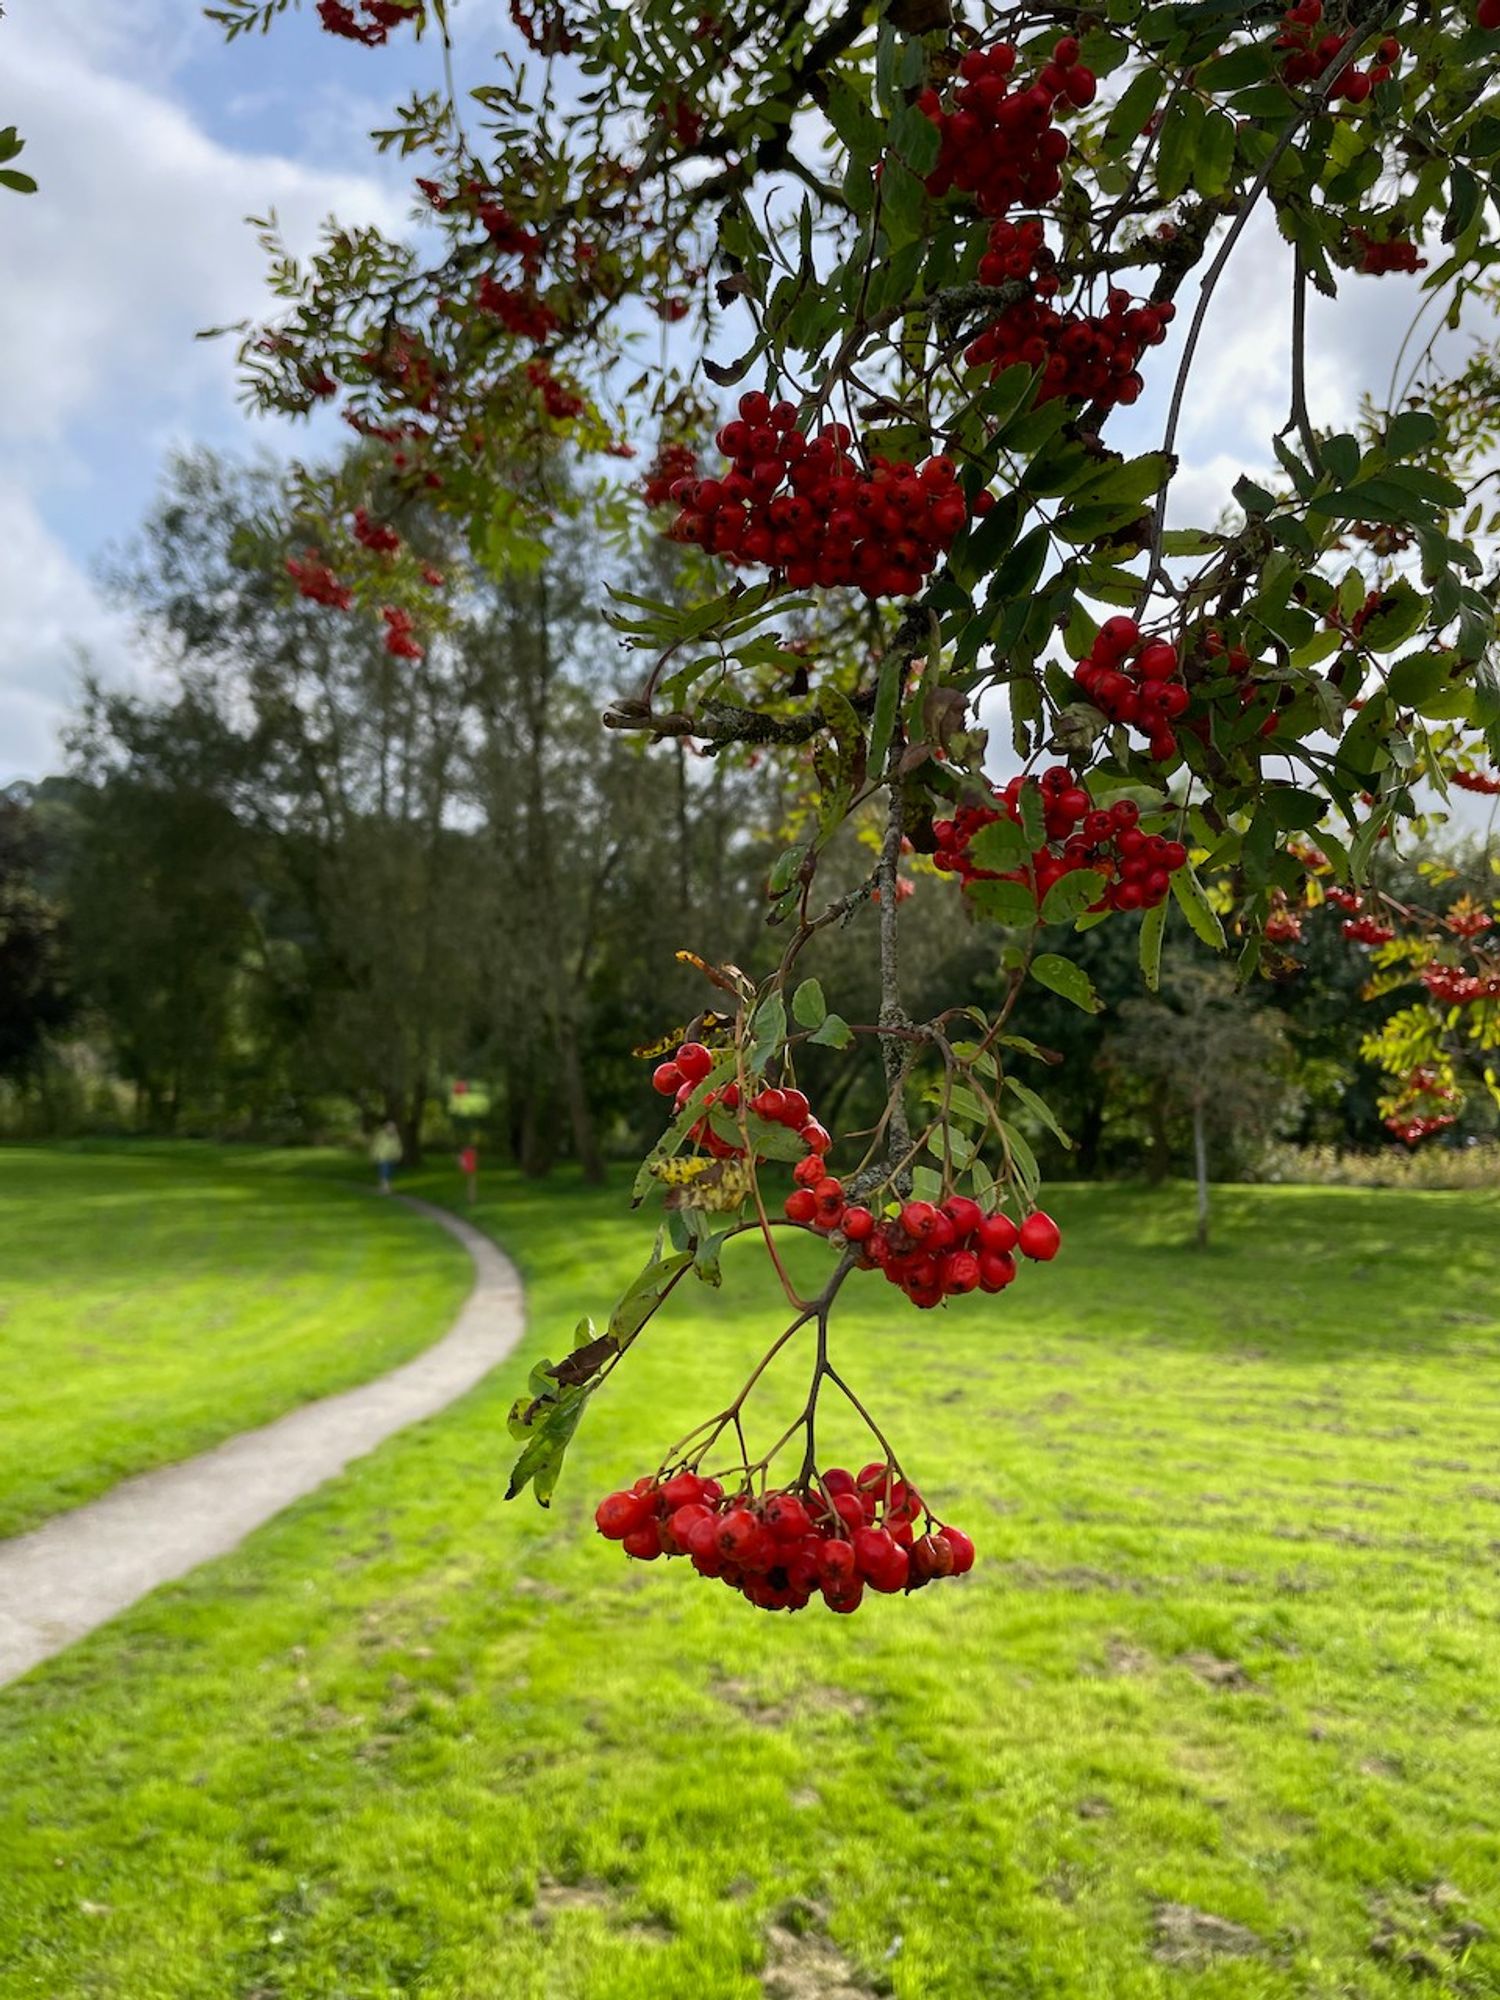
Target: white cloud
[[52, 625], [135, 242]]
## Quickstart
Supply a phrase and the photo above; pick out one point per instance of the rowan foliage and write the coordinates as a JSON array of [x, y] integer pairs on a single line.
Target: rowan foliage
[[933, 252]]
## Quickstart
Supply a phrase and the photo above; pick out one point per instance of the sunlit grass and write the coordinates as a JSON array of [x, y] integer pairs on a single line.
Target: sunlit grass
[[154, 1300], [1217, 1713]]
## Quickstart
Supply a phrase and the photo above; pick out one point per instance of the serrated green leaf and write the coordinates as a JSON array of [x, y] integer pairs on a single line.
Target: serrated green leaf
[[1039, 1108], [768, 1027], [834, 1033], [1153, 929], [1033, 816], [1062, 976], [809, 1008], [1001, 846], [1213, 164], [1010, 903], [1196, 907], [1071, 894]]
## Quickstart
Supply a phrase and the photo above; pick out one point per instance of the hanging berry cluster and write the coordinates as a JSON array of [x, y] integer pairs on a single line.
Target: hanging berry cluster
[[380, 16], [1137, 866], [1136, 681], [1368, 930], [1082, 357], [314, 579], [377, 536], [834, 1535], [931, 1252], [811, 513], [399, 638], [517, 308], [1423, 1104], [999, 143], [559, 401], [673, 462], [680, 1077], [1379, 256], [1310, 56], [1451, 986]]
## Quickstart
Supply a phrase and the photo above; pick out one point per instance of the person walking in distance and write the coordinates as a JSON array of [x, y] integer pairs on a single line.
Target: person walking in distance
[[385, 1151]]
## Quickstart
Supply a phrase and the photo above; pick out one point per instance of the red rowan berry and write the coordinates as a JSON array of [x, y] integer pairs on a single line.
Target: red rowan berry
[[619, 1514], [919, 1219], [997, 1233], [962, 1547], [681, 1490], [1040, 1237]]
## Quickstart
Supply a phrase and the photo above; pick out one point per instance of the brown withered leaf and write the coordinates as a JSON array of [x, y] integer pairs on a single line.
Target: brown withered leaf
[[584, 1362]]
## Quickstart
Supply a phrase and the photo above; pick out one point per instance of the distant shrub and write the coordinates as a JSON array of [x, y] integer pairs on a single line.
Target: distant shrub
[[1476, 1165]]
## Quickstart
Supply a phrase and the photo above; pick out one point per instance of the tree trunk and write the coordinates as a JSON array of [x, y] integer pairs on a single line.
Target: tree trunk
[[536, 1154], [1159, 1159], [1200, 1170], [410, 1124], [1089, 1138], [580, 1115]]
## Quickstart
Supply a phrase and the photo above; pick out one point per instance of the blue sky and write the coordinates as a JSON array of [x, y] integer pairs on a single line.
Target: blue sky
[[152, 141]]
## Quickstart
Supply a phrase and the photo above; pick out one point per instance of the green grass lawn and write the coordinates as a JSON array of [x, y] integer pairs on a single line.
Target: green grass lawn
[[154, 1300], [1217, 1713]]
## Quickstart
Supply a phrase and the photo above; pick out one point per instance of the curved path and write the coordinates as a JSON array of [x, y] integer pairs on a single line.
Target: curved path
[[82, 1568]]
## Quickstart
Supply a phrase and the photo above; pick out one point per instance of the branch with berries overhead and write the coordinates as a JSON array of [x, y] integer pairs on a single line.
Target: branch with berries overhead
[[939, 263]]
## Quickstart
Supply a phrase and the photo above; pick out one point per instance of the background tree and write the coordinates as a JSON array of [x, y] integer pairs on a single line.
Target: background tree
[[1205, 1051], [34, 996]]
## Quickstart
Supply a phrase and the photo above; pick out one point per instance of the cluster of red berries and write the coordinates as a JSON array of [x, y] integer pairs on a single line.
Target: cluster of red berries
[[683, 120], [1137, 681], [380, 17], [932, 1253], [398, 635], [316, 580], [409, 371], [558, 400], [1464, 920], [1138, 867], [1283, 923], [1451, 986], [511, 237], [680, 1077], [1412, 1121], [1082, 356], [518, 309], [673, 462], [1346, 900], [544, 27], [807, 510], [1309, 57], [1368, 930], [376, 535], [1477, 781], [1419, 1125], [999, 143], [1394, 253], [837, 1537]]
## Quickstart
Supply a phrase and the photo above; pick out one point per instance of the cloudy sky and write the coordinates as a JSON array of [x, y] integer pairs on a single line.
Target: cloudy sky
[[152, 142]]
